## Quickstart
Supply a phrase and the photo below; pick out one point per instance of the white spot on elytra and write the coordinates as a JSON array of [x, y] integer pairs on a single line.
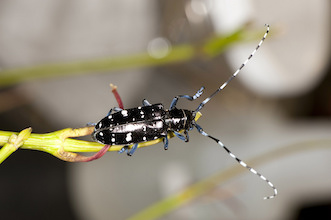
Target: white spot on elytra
[[124, 113], [113, 140], [144, 138], [128, 137], [99, 125], [101, 134], [110, 116], [176, 120]]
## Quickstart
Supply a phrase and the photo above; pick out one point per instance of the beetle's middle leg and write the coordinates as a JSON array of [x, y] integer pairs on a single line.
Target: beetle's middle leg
[[183, 137], [126, 149]]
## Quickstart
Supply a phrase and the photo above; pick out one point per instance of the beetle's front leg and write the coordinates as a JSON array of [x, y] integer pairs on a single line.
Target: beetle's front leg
[[190, 98]]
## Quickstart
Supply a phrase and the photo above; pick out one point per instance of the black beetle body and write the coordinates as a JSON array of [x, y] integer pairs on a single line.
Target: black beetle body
[[141, 124]]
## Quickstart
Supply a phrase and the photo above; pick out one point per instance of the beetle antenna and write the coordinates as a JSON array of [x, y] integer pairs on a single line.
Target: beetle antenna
[[235, 73], [242, 163]]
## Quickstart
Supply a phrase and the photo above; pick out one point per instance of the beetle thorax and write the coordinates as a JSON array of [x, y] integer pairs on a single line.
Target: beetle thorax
[[179, 119]]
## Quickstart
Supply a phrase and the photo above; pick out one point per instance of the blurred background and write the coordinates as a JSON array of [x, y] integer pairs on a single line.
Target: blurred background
[[282, 98]]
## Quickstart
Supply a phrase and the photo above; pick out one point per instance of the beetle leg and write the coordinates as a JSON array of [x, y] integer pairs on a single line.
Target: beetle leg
[[115, 109], [133, 149], [146, 103], [125, 148], [90, 124], [191, 98], [110, 111], [184, 137], [165, 141]]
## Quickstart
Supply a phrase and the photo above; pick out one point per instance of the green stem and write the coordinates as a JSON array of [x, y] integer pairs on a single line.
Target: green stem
[[13, 143], [173, 202], [210, 48]]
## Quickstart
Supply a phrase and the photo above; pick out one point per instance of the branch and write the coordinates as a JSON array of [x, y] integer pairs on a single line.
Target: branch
[[178, 53], [196, 190], [13, 143]]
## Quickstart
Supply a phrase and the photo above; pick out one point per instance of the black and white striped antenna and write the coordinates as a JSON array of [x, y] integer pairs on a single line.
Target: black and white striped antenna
[[235, 73], [242, 163]]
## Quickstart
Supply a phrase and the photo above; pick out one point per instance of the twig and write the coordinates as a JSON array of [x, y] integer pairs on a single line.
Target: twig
[[173, 202], [13, 143], [210, 48]]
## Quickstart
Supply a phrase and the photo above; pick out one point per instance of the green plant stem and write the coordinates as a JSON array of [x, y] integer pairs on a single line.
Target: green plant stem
[[13, 143], [173, 202], [52, 143], [210, 48]]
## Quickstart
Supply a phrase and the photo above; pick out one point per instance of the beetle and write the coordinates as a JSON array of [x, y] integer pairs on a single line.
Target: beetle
[[150, 122]]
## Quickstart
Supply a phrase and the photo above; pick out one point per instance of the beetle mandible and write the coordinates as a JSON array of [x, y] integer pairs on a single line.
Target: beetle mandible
[[150, 122]]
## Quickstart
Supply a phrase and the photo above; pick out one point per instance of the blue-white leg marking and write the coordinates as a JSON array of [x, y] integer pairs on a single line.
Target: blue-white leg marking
[[146, 103], [166, 142], [125, 148], [91, 124], [115, 109], [184, 137], [191, 98], [133, 149]]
